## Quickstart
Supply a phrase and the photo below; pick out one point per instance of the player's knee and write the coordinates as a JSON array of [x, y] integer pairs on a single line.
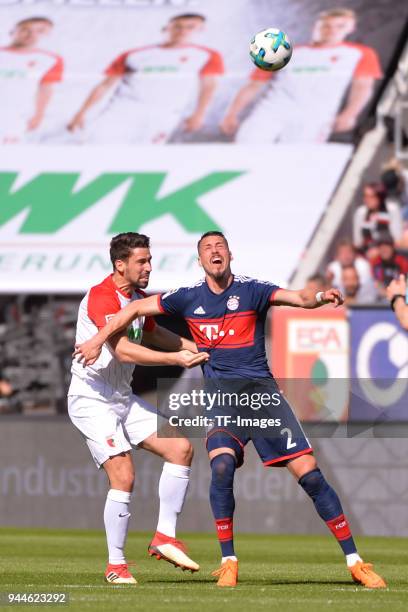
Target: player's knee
[[313, 482], [182, 452], [223, 469], [123, 481]]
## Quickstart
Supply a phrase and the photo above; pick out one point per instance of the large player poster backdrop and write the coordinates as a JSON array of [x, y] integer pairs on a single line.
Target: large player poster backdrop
[[155, 72]]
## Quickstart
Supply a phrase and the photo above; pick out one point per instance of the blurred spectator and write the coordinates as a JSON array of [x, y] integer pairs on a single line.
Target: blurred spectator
[[375, 216], [316, 283], [397, 293], [346, 256], [6, 391], [395, 180], [5, 388], [388, 265], [351, 287]]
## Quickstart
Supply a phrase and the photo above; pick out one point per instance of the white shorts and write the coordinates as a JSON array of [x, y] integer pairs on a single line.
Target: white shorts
[[264, 125], [110, 429], [126, 121]]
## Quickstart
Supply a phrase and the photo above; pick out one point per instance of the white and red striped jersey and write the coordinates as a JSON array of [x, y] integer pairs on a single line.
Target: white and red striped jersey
[[22, 71], [317, 77], [144, 73], [107, 379]]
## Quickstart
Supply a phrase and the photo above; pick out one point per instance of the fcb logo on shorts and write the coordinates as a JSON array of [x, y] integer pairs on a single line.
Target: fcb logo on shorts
[[233, 302]]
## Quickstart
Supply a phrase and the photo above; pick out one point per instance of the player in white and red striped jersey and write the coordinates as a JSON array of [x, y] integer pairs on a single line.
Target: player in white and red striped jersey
[[112, 419], [302, 102], [27, 78], [154, 87]]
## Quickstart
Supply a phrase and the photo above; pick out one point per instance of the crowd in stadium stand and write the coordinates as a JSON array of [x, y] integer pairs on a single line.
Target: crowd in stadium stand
[[364, 266]]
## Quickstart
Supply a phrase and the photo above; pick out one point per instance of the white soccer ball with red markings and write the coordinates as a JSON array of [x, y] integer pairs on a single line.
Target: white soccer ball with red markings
[[270, 49]]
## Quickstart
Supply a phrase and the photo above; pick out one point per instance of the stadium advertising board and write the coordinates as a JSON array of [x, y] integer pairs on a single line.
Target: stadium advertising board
[[59, 210], [310, 358], [379, 367]]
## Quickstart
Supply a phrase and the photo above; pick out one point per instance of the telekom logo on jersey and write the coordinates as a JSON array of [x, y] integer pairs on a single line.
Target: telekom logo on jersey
[[234, 330], [211, 331]]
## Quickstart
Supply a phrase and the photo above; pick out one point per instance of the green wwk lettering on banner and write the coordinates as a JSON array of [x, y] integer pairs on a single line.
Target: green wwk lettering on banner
[[52, 203]]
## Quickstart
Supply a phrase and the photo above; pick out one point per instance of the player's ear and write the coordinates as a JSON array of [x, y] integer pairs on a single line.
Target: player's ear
[[119, 265], [231, 256], [199, 262]]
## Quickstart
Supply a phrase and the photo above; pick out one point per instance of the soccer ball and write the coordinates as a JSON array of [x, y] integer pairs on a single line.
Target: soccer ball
[[270, 49]]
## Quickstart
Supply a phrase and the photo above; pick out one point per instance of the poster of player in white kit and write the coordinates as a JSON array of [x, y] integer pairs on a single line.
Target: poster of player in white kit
[[137, 72]]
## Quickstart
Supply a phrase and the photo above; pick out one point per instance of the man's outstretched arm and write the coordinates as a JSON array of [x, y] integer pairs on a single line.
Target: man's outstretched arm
[[305, 298]]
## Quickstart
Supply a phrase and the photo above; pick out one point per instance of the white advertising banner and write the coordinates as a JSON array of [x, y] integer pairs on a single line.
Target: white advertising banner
[[59, 209]]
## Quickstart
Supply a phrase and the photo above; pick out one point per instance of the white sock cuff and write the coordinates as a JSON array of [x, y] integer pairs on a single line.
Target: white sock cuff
[[180, 471], [116, 495]]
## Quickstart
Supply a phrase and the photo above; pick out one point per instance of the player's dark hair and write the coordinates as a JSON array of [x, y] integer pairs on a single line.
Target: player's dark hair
[[122, 245], [35, 20], [188, 16], [211, 233]]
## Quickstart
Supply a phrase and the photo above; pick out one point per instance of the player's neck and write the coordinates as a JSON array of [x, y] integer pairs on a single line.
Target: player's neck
[[320, 43], [218, 285], [123, 285], [173, 45], [17, 47]]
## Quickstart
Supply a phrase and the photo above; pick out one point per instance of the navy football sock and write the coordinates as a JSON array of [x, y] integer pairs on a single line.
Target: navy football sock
[[222, 500], [329, 508]]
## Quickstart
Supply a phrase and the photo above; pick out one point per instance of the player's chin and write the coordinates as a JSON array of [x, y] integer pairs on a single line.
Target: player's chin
[[143, 282]]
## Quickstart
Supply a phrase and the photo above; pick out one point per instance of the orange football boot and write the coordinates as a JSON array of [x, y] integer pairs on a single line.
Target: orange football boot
[[362, 573], [228, 574]]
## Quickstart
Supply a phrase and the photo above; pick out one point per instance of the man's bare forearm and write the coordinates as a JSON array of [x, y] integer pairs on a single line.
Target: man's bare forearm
[[128, 352], [401, 312], [167, 340]]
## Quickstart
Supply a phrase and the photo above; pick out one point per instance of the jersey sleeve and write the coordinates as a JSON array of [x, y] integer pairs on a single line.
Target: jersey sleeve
[[102, 306], [368, 65], [173, 302], [263, 292], [260, 75], [118, 66], [214, 65], [54, 74]]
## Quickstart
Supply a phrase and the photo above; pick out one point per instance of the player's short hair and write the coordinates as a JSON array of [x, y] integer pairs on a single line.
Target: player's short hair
[[121, 246], [338, 12], [188, 16], [211, 233], [37, 19]]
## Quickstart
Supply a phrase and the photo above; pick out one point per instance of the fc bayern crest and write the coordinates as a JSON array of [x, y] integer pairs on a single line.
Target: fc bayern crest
[[233, 302]]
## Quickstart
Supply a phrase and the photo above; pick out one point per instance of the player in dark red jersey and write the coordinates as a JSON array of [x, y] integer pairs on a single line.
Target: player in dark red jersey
[[226, 315]]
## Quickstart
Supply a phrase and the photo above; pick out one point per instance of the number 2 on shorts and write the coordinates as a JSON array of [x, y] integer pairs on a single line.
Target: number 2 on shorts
[[289, 443]]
